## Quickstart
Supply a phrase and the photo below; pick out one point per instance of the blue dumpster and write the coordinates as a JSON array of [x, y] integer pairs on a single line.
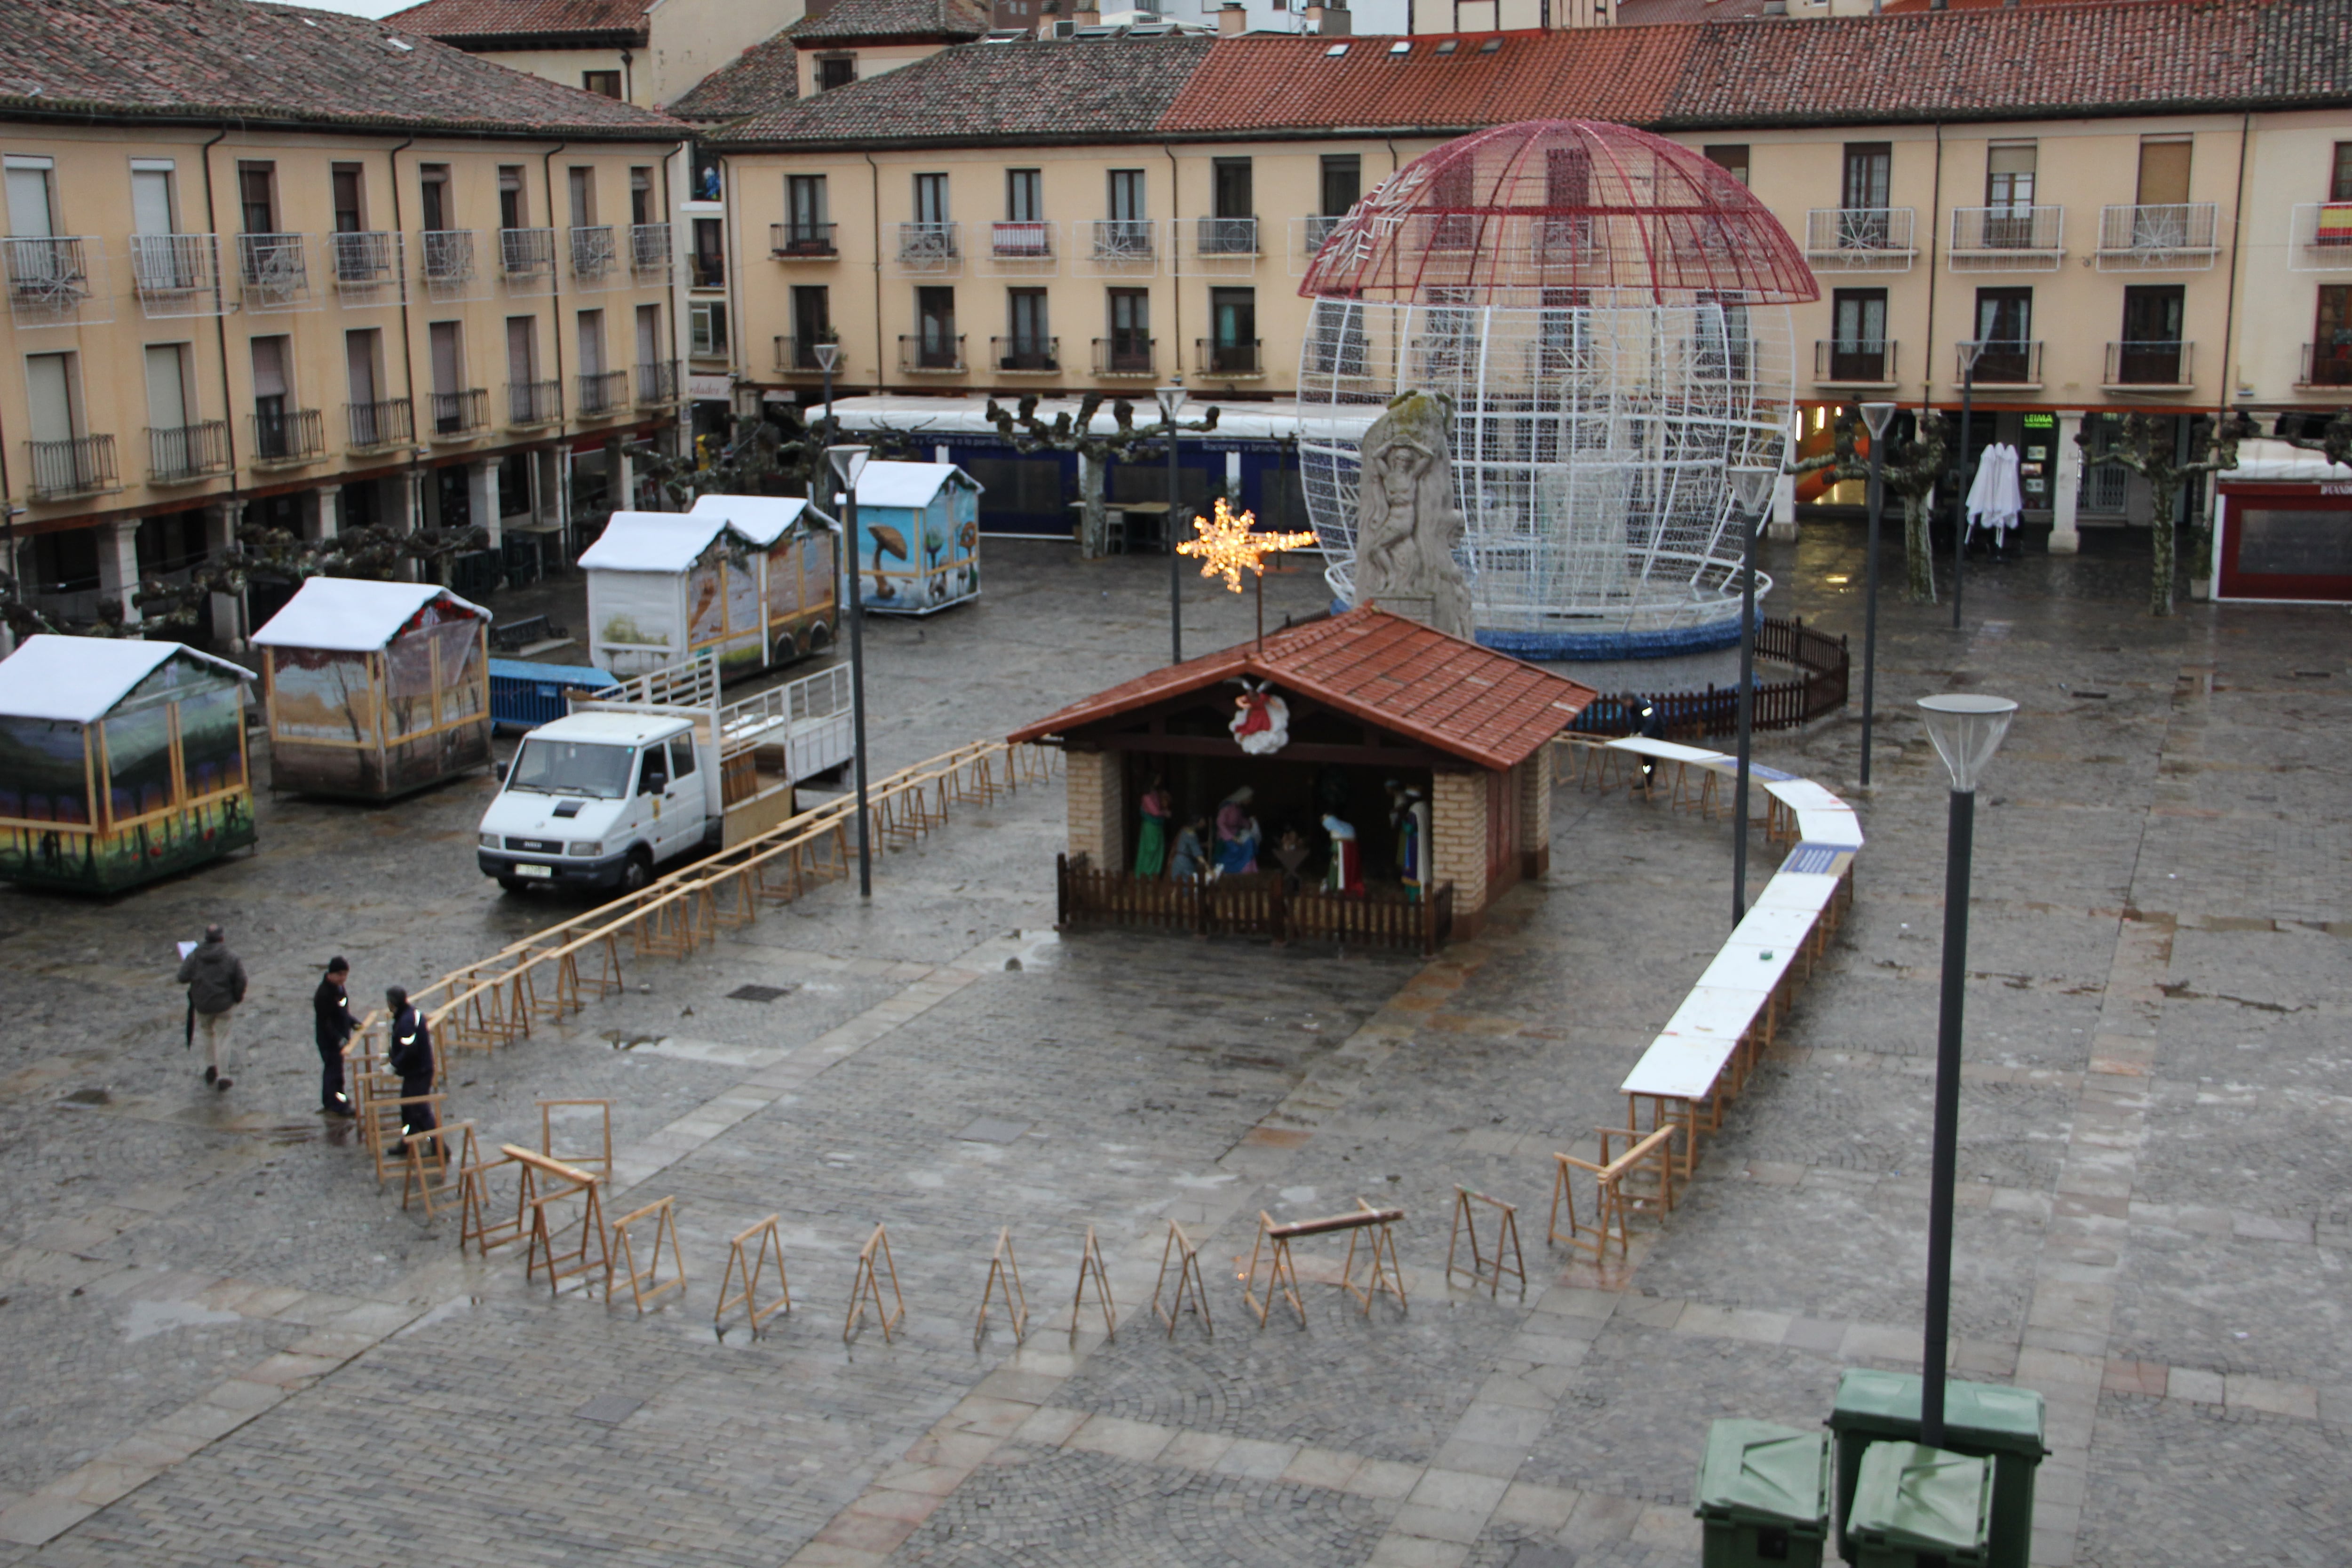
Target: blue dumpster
[[524, 695]]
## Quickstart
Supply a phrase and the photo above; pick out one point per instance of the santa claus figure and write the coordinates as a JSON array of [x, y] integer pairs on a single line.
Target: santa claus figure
[[1261, 721]]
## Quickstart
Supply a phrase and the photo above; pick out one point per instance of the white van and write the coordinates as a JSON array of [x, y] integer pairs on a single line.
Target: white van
[[602, 800]]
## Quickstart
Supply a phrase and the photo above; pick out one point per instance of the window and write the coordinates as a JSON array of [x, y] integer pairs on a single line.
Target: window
[[1130, 331], [1729, 156], [604, 84], [171, 409], [61, 462], [1454, 188], [433, 183], [641, 195], [836, 70], [257, 195], [591, 343], [708, 262], [936, 345], [1568, 195], [1030, 346], [350, 215], [2164, 171], [2339, 180], [706, 328], [32, 198], [363, 371], [1858, 335], [931, 198], [1232, 319], [580, 184], [273, 434], [812, 323], [804, 208], [1230, 178], [154, 197], [1869, 173], [2005, 329], [448, 357], [514, 485], [1126, 195], [2009, 174], [514, 197], [2150, 353], [1343, 184], [1025, 195], [650, 342]]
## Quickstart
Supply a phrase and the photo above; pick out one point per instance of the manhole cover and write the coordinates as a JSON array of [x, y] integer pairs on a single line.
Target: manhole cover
[[609, 1409], [992, 1130], [1531, 1555], [758, 993]]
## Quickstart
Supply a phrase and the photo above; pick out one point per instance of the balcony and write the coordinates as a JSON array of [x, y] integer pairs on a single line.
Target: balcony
[[273, 272], [178, 453], [603, 392], [797, 356], [527, 255], [1022, 247], [930, 246], [531, 403], [2008, 239], [802, 241], [1025, 356], [285, 437], [2319, 238], [1315, 229], [932, 353], [365, 264], [649, 251], [52, 280], [83, 465], [450, 270], [1860, 239], [176, 274], [1125, 354], [2327, 364], [459, 416], [1860, 363], [657, 382], [373, 427], [2177, 237], [1236, 358], [2149, 365], [706, 269], [594, 257], [1119, 243], [2001, 361]]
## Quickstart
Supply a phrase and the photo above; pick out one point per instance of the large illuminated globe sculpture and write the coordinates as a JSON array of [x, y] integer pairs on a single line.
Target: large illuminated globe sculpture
[[1609, 312]]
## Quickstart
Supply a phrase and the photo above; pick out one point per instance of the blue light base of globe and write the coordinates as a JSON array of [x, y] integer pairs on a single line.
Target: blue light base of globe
[[1664, 642]]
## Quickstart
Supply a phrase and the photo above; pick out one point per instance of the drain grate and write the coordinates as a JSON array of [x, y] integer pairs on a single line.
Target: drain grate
[[609, 1409], [759, 992]]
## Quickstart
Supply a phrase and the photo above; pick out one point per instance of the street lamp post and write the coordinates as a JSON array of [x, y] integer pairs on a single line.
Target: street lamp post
[[848, 465], [1751, 492], [1876, 417], [1966, 729], [827, 356], [1171, 400], [1969, 354]]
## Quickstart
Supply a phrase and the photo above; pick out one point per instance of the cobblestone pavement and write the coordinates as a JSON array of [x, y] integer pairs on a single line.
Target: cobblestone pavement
[[231, 1349]]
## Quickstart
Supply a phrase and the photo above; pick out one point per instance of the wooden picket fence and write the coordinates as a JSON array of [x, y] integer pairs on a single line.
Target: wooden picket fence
[[1254, 905], [1819, 688]]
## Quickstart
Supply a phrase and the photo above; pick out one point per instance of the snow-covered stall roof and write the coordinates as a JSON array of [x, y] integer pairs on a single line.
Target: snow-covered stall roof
[[761, 519], [2275, 462], [77, 680], [350, 614], [661, 540], [907, 484]]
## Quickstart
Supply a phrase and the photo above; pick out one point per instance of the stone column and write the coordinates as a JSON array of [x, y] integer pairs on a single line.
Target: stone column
[[118, 565], [1097, 813], [1783, 525], [221, 522], [482, 498], [325, 518], [1535, 811], [2067, 485], [1457, 850], [624, 478]]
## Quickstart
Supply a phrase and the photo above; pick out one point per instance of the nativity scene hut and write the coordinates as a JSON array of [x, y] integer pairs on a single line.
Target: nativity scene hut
[[121, 762], [374, 689], [1398, 780]]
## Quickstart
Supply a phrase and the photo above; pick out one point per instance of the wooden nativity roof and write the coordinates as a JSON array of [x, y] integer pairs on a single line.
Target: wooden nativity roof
[[1450, 695]]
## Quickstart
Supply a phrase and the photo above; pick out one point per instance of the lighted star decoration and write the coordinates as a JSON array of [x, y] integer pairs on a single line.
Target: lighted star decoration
[[1226, 544]]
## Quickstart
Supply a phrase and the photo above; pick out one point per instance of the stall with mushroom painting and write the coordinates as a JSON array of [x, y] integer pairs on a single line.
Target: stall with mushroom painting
[[918, 537]]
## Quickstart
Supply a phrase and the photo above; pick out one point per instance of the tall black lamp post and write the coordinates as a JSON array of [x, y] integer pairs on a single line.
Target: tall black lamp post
[[1171, 399], [1875, 417], [1751, 493], [826, 356], [848, 467], [1966, 729], [1970, 353]]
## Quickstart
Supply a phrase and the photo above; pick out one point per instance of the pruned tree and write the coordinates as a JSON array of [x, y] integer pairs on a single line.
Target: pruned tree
[[759, 456], [1025, 432], [2147, 449], [2333, 441], [1909, 469]]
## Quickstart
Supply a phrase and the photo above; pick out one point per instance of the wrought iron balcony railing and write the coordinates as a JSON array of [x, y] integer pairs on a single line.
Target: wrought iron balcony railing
[[273, 271], [288, 435], [79, 466], [526, 253], [1126, 355], [1025, 356], [176, 274], [178, 453], [388, 422], [1225, 237], [932, 353], [603, 392], [802, 241], [534, 402], [1228, 356], [594, 257], [1859, 362], [2001, 361], [656, 383], [2148, 363], [458, 415]]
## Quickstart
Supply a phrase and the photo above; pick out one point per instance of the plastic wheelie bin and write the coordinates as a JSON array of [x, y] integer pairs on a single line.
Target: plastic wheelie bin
[[1983, 1420], [1763, 1496], [1916, 1507]]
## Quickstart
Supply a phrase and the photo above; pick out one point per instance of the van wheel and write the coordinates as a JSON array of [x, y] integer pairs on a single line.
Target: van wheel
[[638, 872], [512, 884]]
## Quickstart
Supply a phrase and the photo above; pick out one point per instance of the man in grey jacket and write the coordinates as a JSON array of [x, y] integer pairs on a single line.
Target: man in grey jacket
[[215, 981]]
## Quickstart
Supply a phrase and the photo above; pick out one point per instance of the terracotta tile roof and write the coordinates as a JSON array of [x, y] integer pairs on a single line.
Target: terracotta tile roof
[[225, 59], [1452, 696], [900, 21], [1258, 83], [761, 77], [1078, 91], [512, 23]]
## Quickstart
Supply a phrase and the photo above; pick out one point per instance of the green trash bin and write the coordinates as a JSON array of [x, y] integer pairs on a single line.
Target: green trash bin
[[1983, 1420], [1763, 1496], [1915, 1506]]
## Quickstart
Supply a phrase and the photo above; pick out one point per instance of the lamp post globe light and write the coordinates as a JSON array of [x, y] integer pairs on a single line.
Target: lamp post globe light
[[1752, 494], [1171, 400], [1966, 729], [1876, 419], [848, 464], [1969, 353]]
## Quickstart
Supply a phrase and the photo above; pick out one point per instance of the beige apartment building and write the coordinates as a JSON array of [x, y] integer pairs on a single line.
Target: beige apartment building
[[2156, 220], [645, 52], [308, 271]]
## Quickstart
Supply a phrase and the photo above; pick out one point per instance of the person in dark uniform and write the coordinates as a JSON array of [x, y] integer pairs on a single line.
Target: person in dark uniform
[[333, 1006], [412, 1058]]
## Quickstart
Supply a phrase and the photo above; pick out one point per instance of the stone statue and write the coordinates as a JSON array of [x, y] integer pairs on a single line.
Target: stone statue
[[1406, 524]]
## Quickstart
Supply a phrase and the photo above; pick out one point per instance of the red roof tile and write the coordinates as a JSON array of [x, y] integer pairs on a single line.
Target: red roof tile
[[761, 77], [1454, 695], [511, 21]]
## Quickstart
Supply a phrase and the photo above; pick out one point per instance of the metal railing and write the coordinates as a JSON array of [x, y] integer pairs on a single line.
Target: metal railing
[[2327, 364], [1124, 239], [388, 422], [176, 274], [603, 392], [1835, 232], [1865, 362], [526, 253], [656, 383], [1236, 357], [448, 255], [460, 413], [2319, 238], [288, 435], [1126, 355], [49, 278], [1315, 228], [649, 249], [1021, 241], [797, 356], [1225, 237], [593, 254], [365, 259], [1025, 356], [1825, 665], [273, 270], [802, 241], [181, 452], [2001, 361], [2106, 487], [2148, 361], [534, 402], [931, 352], [929, 246], [1990, 234], [80, 465], [2181, 232]]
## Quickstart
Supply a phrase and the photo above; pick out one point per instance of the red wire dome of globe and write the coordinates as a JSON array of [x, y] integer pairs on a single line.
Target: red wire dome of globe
[[1511, 216]]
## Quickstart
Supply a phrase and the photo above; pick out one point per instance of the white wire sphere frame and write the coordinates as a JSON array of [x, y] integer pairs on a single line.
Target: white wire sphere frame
[[1592, 448]]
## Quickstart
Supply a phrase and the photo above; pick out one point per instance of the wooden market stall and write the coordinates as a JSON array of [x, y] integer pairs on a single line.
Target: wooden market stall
[[750, 578], [375, 689], [2283, 527], [121, 762], [918, 537]]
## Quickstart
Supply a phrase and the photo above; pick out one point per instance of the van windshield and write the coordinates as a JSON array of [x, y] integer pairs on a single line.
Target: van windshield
[[571, 767]]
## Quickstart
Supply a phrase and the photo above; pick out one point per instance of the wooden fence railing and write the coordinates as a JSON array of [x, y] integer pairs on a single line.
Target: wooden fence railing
[[1818, 689], [1254, 905]]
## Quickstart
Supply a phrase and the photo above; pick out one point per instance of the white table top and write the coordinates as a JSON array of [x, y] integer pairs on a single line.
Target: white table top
[[1672, 751], [1677, 1068], [1765, 928], [1742, 966], [1797, 890], [1802, 793], [1715, 1013], [1829, 825]]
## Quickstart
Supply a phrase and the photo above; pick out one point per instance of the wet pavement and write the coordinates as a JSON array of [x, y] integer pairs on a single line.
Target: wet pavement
[[238, 1351]]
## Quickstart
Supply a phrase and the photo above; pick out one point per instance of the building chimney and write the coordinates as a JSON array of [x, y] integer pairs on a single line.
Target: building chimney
[[1232, 19]]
